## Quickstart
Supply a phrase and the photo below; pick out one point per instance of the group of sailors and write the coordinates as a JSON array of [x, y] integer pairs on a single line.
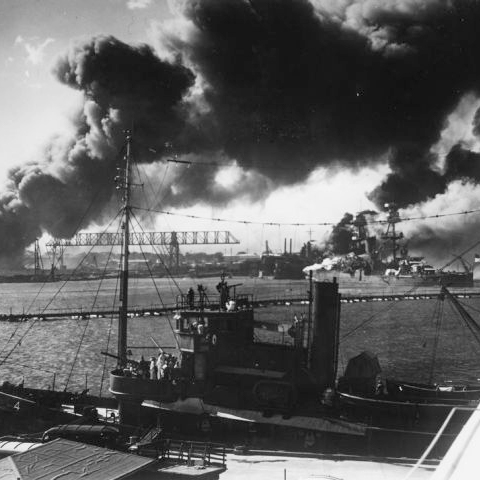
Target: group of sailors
[[198, 327], [164, 366], [202, 297], [222, 288]]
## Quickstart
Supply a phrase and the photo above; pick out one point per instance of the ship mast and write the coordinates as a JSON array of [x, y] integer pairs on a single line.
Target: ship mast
[[392, 219], [124, 184]]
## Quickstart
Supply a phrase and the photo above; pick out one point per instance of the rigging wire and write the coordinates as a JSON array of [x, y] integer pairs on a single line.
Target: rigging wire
[[10, 337], [147, 181], [44, 283], [178, 180], [153, 280], [466, 306], [159, 256], [466, 317], [376, 314], [160, 298], [155, 193], [202, 163], [460, 255], [37, 368], [462, 323], [121, 152], [299, 224], [438, 315], [165, 173], [104, 369], [18, 343], [456, 315], [163, 248], [92, 308], [473, 331]]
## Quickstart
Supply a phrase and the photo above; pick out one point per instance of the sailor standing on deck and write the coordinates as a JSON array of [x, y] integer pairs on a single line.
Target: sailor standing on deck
[[153, 368], [201, 296], [143, 368], [223, 289], [191, 298], [160, 364]]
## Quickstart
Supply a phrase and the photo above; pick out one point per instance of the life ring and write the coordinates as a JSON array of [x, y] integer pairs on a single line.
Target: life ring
[[309, 440], [214, 339]]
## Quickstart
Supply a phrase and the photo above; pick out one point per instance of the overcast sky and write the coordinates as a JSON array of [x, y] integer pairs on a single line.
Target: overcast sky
[[327, 166]]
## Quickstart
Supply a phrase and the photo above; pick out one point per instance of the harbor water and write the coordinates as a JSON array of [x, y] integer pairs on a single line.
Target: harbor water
[[412, 339]]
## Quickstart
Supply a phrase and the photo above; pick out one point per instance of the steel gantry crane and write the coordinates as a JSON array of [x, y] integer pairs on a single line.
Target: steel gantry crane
[[172, 240]]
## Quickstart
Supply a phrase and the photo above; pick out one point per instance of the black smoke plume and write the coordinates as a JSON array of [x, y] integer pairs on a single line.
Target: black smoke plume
[[72, 179], [293, 87], [342, 239], [281, 87]]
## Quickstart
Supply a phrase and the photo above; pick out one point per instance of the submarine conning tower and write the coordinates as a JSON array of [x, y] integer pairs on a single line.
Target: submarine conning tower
[[323, 347]]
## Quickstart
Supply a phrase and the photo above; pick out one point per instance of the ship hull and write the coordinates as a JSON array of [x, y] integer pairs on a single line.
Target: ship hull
[[361, 281], [21, 414], [311, 433], [353, 425]]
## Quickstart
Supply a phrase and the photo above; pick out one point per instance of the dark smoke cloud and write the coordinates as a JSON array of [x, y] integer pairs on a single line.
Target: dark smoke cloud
[[293, 87], [340, 241], [412, 179], [279, 86], [130, 87], [462, 164], [73, 177]]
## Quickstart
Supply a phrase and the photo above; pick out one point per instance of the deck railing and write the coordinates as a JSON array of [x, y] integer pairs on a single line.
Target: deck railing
[[181, 451], [194, 453]]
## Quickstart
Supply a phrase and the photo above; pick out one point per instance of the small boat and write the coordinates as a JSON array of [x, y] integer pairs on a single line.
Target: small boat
[[439, 393], [387, 403], [101, 435]]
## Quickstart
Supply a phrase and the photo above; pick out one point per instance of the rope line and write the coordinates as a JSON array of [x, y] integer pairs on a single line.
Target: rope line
[[160, 298], [463, 324], [2, 361], [376, 314], [104, 369], [155, 284], [159, 257], [438, 315], [40, 369], [300, 224], [102, 277]]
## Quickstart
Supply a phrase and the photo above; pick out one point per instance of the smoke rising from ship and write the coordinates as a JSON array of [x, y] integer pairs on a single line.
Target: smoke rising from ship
[[340, 241], [278, 87], [321, 85]]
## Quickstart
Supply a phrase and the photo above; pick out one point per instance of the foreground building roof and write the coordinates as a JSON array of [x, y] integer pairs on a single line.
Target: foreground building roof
[[71, 460]]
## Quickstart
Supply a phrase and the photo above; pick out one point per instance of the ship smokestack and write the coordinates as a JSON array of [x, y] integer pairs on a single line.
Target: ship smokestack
[[323, 355], [284, 245], [290, 246]]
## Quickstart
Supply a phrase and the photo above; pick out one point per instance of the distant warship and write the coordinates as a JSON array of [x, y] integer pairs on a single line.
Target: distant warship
[[364, 264]]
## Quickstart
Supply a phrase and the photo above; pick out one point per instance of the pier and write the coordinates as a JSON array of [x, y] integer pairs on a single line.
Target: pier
[[280, 300]]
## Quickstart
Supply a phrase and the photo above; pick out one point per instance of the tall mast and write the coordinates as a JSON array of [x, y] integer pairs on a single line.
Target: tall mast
[[123, 309], [38, 263], [392, 219]]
